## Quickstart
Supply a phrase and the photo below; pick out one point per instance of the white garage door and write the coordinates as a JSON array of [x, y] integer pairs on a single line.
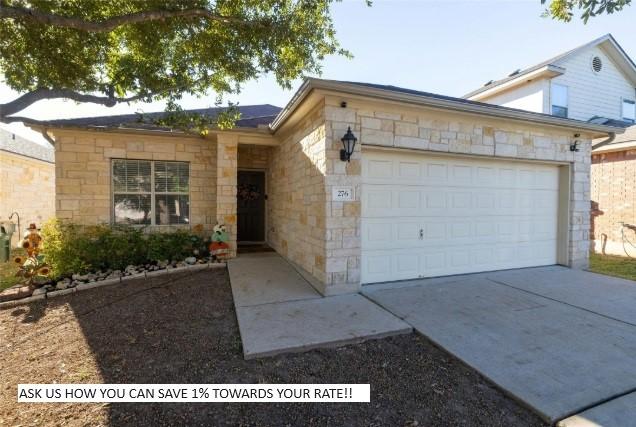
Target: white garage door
[[426, 216]]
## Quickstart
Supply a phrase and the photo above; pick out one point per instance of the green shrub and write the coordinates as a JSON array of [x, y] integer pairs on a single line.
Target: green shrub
[[62, 247], [71, 248], [173, 246]]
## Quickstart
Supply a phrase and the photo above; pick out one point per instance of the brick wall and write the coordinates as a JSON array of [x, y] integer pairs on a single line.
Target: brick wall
[[83, 168], [613, 201], [27, 186]]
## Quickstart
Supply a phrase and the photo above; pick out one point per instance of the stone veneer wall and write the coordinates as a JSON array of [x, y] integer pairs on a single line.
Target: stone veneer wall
[[83, 168], [253, 156], [390, 125], [296, 195], [27, 186], [613, 201]]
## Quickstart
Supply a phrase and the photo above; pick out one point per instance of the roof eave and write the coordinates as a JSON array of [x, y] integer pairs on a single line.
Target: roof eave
[[426, 101], [546, 72], [39, 127], [620, 57], [614, 147]]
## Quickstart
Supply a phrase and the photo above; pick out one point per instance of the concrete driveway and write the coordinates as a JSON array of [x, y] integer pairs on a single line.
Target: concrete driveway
[[561, 341]]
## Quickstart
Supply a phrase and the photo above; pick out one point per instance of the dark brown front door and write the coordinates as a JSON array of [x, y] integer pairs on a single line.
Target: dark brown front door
[[251, 206]]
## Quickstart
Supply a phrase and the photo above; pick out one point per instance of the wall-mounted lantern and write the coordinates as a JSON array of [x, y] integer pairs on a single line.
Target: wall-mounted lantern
[[349, 143], [574, 146]]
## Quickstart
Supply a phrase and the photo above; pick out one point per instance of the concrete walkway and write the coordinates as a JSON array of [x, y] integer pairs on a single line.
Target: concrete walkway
[[278, 311], [561, 341]]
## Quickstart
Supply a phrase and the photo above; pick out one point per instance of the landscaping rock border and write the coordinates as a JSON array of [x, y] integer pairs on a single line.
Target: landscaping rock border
[[43, 293]]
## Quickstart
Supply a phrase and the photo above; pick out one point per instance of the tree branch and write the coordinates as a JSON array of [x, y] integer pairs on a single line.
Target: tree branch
[[32, 97], [109, 24]]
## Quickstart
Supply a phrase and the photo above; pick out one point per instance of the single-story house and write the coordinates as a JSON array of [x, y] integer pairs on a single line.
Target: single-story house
[[27, 182], [613, 191], [435, 185]]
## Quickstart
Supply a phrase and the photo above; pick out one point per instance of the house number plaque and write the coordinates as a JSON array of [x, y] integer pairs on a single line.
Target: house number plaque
[[342, 194]]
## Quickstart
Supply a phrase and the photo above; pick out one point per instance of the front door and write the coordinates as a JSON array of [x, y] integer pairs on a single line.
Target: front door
[[251, 206]]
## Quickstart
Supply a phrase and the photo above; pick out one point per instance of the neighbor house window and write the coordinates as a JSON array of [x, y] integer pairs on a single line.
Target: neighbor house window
[[559, 95], [149, 192], [629, 110]]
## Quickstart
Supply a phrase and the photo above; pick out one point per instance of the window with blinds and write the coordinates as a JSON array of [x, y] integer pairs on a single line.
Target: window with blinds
[[149, 192]]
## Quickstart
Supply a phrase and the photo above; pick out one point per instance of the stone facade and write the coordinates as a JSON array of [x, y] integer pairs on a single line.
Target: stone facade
[[302, 165], [253, 157], [27, 186], [227, 164], [83, 170], [296, 206], [388, 125], [613, 201]]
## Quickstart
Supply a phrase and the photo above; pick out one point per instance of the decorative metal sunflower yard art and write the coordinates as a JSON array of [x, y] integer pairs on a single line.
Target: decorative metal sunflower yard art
[[32, 268]]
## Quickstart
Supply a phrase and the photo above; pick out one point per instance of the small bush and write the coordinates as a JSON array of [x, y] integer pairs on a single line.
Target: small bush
[[63, 248], [169, 246], [71, 248]]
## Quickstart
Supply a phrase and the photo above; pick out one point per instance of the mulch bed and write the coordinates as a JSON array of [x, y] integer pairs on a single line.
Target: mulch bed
[[182, 329]]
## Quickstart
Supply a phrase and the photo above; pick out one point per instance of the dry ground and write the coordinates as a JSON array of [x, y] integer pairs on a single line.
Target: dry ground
[[183, 329]]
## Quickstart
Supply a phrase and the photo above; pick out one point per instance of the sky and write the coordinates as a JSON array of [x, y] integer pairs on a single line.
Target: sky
[[448, 47]]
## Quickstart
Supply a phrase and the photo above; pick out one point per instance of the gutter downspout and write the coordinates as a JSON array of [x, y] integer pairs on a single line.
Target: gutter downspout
[[611, 137], [45, 134]]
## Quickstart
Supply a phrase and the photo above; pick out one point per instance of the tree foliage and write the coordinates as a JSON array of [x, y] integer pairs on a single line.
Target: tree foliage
[[107, 52], [563, 10]]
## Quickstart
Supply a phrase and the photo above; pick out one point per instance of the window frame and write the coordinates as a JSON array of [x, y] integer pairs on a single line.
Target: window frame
[[567, 100], [153, 193], [628, 101]]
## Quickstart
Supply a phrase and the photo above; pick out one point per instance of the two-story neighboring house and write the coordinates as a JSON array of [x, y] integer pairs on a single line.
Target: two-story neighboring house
[[595, 82]]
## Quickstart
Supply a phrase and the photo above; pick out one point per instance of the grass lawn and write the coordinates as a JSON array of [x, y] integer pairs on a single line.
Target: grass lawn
[[182, 329], [8, 270], [612, 265]]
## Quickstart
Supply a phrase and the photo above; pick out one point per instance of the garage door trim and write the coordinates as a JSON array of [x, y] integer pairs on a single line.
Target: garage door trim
[[556, 194]]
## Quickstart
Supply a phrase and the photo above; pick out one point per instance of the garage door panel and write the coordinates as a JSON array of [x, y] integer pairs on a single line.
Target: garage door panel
[[409, 171], [486, 176], [378, 169], [507, 177], [436, 173], [418, 232], [426, 216], [461, 175]]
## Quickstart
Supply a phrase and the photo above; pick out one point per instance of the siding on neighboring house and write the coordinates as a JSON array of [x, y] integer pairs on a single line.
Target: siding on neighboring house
[[532, 96], [594, 94], [27, 181]]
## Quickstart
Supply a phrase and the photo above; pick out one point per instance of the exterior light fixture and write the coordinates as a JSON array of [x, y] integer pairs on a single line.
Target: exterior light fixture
[[349, 143], [574, 146]]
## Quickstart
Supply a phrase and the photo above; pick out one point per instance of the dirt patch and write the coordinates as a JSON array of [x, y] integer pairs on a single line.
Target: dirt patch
[[183, 329]]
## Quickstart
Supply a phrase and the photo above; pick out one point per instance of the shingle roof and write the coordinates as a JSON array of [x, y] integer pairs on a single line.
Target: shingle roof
[[612, 123], [16, 144], [518, 73], [628, 136], [251, 117]]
